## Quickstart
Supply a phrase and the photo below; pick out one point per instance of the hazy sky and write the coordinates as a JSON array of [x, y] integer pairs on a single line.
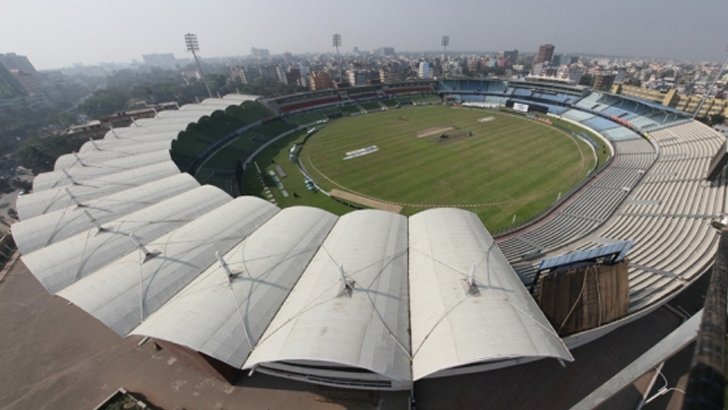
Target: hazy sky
[[56, 33]]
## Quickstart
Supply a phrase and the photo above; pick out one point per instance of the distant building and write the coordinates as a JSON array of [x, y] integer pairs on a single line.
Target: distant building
[[260, 53], [13, 61], [391, 74], [24, 75], [711, 107], [31, 82], [281, 74], [357, 77], [511, 57], [573, 74], [603, 80], [545, 53], [424, 70], [668, 98], [293, 76], [319, 80], [9, 85], [161, 60], [238, 73], [384, 51]]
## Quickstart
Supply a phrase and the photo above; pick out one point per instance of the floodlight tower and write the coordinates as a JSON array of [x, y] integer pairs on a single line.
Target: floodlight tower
[[710, 89], [193, 46], [444, 42], [336, 39]]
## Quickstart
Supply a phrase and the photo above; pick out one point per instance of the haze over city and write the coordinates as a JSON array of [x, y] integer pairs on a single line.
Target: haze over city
[[57, 34]]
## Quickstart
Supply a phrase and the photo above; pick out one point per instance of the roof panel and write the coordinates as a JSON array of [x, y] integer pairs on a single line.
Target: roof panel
[[367, 328], [136, 131], [267, 264], [454, 323], [48, 180], [43, 230], [48, 200], [93, 157], [59, 265], [126, 291]]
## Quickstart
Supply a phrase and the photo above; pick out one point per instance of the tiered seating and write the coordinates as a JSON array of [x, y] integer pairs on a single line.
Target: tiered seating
[[389, 102], [473, 98], [305, 101], [351, 109], [577, 115], [667, 213], [305, 118], [522, 92], [600, 124], [589, 102], [371, 106], [620, 133], [592, 206]]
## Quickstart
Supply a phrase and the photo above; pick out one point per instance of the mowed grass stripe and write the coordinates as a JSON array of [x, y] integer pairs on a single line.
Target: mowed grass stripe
[[517, 163]]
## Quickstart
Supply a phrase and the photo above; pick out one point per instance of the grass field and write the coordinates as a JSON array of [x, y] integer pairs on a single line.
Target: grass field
[[509, 166]]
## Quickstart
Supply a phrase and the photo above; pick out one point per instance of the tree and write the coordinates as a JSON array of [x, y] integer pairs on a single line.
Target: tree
[[104, 102]]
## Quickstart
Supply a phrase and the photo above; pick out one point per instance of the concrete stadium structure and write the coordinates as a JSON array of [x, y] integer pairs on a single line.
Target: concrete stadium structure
[[372, 299]]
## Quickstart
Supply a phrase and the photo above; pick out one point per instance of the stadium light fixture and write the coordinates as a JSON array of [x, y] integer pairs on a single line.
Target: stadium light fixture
[[336, 41], [193, 46], [444, 42]]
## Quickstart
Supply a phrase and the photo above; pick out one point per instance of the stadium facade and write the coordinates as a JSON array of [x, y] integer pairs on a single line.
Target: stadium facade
[[372, 299]]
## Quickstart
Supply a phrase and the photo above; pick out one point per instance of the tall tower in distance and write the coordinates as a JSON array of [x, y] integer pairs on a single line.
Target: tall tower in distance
[[545, 53]]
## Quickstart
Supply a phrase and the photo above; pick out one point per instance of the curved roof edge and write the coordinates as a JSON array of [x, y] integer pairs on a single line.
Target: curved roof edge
[[467, 305]]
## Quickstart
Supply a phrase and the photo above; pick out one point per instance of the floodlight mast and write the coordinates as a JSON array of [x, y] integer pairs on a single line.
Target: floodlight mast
[[193, 46], [336, 40], [444, 42]]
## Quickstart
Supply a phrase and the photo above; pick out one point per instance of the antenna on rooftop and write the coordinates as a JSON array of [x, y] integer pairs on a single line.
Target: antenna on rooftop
[[346, 282], [146, 252], [225, 266]]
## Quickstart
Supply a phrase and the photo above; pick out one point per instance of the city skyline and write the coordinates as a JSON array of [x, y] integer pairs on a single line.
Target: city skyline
[[58, 35]]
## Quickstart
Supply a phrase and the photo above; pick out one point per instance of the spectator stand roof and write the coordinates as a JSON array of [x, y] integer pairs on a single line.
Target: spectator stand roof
[[468, 306], [610, 253]]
